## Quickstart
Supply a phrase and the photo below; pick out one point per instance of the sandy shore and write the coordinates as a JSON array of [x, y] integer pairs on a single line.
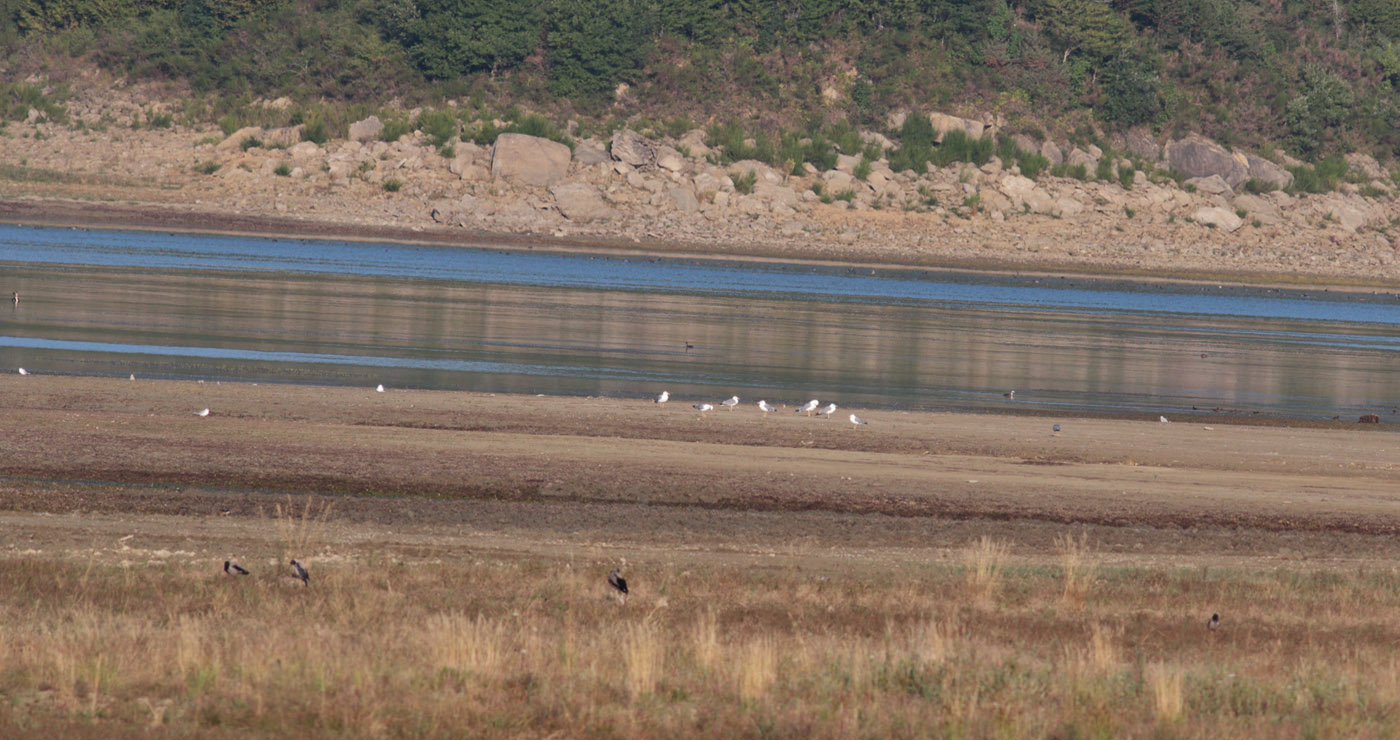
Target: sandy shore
[[530, 474]]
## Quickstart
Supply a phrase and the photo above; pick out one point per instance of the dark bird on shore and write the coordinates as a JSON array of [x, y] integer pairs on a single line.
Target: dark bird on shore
[[14, 297], [616, 580], [1214, 623], [234, 569], [689, 346], [1010, 395], [301, 573], [1056, 428]]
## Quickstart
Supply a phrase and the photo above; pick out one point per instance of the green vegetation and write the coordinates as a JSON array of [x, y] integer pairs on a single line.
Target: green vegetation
[[744, 183], [282, 170], [1316, 78], [393, 186]]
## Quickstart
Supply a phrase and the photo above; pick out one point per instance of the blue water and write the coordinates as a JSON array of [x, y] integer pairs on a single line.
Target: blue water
[[166, 251], [308, 311]]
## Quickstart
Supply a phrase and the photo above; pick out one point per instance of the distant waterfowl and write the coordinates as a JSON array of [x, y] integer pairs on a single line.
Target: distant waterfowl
[[14, 297], [828, 411], [856, 421], [809, 407], [22, 371], [1162, 419], [1056, 428], [133, 376], [234, 569], [616, 580], [379, 388], [730, 402], [702, 407], [1010, 395], [663, 398], [689, 346], [202, 412], [301, 573], [1214, 623], [765, 408]]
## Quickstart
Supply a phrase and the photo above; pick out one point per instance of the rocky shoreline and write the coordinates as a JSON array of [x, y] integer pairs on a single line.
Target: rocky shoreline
[[634, 193]]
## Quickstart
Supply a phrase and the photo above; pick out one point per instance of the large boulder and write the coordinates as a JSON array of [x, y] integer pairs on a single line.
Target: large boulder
[[943, 123], [1142, 145], [633, 148], [1213, 185], [669, 159], [282, 137], [236, 139], [366, 130], [1051, 151], [530, 160], [1257, 209], [1366, 165], [587, 153], [579, 202], [1221, 218], [1267, 172], [1197, 156]]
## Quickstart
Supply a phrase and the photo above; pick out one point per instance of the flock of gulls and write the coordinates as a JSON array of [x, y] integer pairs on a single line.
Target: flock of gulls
[[813, 406]]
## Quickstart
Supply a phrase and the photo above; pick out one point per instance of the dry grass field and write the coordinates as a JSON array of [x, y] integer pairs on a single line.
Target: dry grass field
[[933, 575]]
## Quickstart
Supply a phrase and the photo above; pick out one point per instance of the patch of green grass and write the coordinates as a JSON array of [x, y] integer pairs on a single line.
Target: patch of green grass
[[207, 168], [282, 170], [393, 186], [744, 183], [250, 143]]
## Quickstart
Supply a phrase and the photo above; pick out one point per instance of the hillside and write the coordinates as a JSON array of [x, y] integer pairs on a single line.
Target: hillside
[[1311, 78], [941, 155]]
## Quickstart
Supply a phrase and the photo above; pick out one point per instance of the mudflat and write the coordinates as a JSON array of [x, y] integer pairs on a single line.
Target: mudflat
[[470, 472]]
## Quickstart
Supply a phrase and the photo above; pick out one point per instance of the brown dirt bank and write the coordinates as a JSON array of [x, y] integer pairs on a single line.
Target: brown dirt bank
[[631, 470]]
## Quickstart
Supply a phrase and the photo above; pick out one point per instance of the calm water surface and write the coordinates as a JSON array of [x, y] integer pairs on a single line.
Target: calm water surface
[[189, 306]]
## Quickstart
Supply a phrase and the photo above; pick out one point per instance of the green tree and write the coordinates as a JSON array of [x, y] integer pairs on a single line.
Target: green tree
[[1131, 92], [1320, 113], [1380, 16], [591, 49], [455, 37], [701, 21], [1087, 26]]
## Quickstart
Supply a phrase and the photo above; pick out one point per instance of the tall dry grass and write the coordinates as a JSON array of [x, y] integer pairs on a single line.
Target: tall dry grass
[[1076, 562], [984, 560], [382, 649]]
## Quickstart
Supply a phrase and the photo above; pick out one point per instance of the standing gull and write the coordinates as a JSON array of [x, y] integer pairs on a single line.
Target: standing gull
[[809, 407], [22, 371], [1162, 419], [663, 398], [301, 573], [731, 402], [379, 388], [765, 408], [828, 411], [856, 421]]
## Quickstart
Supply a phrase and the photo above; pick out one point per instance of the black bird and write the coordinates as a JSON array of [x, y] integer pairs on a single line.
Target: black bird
[[301, 573], [1056, 428], [1214, 623], [234, 569], [617, 581]]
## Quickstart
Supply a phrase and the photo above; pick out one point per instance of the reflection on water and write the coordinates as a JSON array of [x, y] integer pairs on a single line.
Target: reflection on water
[[520, 330]]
